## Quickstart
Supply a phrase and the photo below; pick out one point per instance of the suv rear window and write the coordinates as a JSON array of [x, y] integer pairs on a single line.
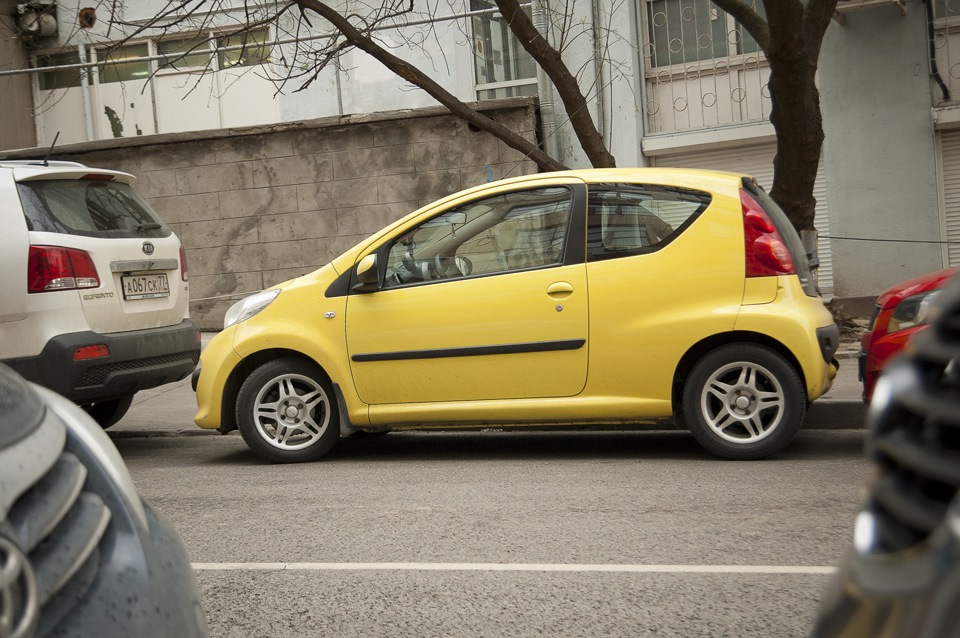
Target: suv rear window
[[92, 208]]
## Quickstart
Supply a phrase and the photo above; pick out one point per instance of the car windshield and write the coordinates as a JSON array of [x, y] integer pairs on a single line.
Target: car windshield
[[93, 208]]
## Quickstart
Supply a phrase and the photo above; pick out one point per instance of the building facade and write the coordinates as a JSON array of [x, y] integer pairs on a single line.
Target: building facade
[[670, 83]]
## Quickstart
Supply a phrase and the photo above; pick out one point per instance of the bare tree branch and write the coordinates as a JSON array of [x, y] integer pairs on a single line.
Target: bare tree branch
[[566, 84], [789, 32], [413, 75], [742, 11]]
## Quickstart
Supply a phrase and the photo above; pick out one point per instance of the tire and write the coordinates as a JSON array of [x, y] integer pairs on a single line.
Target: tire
[[743, 401], [108, 413], [287, 412]]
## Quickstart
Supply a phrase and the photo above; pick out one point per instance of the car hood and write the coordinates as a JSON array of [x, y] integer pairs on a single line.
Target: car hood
[[930, 281]]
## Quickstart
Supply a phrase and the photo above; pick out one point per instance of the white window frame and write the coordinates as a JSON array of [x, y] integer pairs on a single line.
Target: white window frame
[[478, 87]]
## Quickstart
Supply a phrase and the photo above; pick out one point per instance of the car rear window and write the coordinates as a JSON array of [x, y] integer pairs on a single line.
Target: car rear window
[[633, 219], [92, 208]]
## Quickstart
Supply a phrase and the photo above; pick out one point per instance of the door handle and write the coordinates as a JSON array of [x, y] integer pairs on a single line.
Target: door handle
[[560, 289]]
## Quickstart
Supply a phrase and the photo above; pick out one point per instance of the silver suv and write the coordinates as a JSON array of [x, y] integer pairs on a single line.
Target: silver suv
[[94, 287]]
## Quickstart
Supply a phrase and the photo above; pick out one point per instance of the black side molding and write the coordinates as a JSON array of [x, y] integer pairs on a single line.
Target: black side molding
[[473, 351]]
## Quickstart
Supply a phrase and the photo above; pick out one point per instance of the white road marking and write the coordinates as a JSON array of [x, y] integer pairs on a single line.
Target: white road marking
[[521, 567]]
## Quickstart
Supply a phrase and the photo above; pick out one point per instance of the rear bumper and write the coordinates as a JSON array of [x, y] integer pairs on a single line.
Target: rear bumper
[[138, 360]]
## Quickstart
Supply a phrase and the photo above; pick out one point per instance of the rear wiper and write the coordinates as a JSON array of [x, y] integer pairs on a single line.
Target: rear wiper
[[148, 226]]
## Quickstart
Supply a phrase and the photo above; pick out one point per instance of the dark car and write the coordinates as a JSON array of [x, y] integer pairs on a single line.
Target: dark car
[[81, 554], [902, 576]]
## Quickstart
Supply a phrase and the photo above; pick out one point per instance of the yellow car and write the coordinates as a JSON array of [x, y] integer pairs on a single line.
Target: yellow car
[[593, 297]]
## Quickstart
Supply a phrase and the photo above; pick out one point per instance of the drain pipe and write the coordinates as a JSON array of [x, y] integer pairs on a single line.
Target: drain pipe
[[85, 91], [598, 64], [548, 112], [934, 72]]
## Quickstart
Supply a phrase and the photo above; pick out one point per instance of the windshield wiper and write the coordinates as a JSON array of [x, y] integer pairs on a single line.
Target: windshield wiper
[[148, 226]]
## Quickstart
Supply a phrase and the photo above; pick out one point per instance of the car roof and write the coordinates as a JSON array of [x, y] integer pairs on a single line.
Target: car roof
[[634, 174], [693, 178], [29, 170], [5, 163]]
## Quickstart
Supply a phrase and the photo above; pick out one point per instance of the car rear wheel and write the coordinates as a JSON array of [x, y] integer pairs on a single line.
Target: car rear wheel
[[108, 413], [743, 401], [287, 413]]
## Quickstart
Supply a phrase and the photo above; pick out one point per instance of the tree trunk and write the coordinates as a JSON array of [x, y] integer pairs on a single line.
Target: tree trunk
[[790, 38], [795, 115]]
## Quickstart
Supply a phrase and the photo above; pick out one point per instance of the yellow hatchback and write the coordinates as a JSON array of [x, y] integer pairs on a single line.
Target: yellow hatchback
[[594, 297]]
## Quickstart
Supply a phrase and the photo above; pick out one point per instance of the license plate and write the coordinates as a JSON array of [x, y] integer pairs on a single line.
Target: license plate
[[145, 286]]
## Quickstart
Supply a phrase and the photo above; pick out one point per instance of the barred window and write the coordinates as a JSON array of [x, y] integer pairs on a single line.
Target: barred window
[[682, 31]]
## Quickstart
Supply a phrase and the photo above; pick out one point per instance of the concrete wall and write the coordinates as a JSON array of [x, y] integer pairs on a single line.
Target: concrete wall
[[16, 117], [879, 149], [262, 205]]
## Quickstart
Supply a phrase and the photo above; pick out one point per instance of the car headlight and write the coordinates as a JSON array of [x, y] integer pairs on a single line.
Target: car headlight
[[246, 308], [912, 311]]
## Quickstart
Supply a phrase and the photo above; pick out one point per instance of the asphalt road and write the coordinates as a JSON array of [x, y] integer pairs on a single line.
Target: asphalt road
[[500, 534]]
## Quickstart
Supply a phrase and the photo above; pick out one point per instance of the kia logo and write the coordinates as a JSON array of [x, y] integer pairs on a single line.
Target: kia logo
[[147, 248], [19, 599]]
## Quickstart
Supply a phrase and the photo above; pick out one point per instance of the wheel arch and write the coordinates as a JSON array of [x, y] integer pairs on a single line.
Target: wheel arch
[[228, 413], [702, 347]]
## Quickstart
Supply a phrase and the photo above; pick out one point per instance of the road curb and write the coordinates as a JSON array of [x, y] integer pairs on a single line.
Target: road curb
[[827, 414]]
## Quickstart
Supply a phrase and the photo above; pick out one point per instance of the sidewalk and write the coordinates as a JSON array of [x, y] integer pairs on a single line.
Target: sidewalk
[[168, 410]]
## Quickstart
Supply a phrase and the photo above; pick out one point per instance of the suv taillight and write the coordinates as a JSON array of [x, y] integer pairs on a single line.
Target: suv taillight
[[51, 268], [766, 253], [183, 263]]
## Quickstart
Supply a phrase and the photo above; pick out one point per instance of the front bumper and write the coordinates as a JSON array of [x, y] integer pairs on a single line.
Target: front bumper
[[138, 360], [89, 556]]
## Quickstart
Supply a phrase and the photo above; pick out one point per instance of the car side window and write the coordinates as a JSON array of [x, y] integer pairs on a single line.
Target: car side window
[[506, 232], [625, 219]]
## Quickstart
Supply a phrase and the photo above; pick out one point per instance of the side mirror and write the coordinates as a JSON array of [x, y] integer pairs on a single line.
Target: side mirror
[[368, 275]]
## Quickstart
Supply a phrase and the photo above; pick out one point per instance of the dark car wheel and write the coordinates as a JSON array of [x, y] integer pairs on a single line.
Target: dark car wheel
[[108, 413], [743, 401], [287, 413]]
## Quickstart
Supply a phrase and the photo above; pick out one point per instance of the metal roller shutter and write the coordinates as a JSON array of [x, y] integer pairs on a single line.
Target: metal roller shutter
[[950, 192], [758, 162]]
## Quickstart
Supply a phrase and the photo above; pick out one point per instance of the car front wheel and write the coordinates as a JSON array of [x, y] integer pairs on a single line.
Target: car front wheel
[[743, 401], [287, 413]]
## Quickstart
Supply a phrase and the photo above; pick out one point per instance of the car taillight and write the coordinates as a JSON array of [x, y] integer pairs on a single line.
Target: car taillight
[[51, 268], [183, 263], [766, 253]]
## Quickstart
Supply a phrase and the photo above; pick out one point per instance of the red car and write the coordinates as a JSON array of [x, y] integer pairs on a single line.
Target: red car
[[901, 311]]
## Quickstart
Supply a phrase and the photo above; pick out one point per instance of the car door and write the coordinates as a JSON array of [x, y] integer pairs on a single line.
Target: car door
[[662, 278], [484, 300]]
